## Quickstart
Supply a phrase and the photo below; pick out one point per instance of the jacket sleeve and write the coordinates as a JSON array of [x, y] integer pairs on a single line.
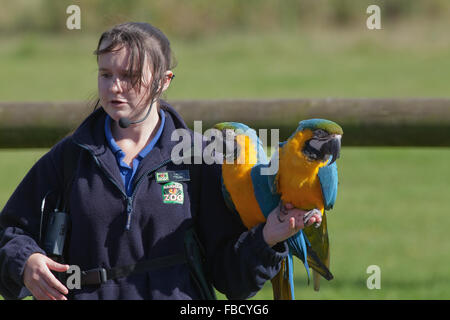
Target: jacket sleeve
[[20, 222], [239, 260]]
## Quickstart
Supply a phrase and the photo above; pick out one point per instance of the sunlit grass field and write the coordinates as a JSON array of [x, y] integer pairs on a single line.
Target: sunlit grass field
[[411, 60], [391, 212]]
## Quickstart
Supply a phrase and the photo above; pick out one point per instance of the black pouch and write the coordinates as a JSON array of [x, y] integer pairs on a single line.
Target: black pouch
[[195, 256], [57, 223], [55, 234]]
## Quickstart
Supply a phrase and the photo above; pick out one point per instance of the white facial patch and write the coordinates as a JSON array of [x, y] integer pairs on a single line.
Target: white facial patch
[[317, 144]]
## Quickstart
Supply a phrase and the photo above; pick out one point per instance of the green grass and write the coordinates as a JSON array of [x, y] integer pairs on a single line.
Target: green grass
[[391, 211], [398, 61]]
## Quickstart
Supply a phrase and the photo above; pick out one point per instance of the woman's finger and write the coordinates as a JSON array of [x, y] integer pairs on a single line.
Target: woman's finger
[[52, 282], [55, 266], [292, 223], [51, 279], [41, 289], [52, 293], [39, 294]]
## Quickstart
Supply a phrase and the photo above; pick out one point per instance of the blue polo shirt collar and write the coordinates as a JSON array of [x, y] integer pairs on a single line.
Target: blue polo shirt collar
[[126, 171]]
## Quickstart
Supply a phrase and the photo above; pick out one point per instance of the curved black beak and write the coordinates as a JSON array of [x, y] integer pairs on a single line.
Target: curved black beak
[[333, 148]]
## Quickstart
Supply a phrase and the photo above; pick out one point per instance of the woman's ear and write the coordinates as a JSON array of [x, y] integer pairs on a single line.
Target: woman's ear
[[168, 76]]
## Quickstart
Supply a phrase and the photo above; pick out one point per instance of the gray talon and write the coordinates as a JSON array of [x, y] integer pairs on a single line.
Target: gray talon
[[308, 216]]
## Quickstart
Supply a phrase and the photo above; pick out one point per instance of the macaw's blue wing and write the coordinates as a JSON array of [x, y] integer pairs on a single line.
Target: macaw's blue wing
[[267, 200], [319, 251], [298, 244], [328, 176]]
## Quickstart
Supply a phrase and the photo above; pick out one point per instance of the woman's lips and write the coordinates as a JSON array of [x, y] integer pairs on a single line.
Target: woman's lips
[[117, 102]]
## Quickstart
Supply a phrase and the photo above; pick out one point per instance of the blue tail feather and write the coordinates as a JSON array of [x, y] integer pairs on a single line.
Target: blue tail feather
[[290, 269], [298, 247]]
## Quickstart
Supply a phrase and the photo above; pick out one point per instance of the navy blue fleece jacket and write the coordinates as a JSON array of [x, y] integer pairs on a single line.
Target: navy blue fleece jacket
[[238, 260]]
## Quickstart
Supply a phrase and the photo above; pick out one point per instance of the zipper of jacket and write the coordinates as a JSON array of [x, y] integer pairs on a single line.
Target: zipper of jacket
[[129, 199]]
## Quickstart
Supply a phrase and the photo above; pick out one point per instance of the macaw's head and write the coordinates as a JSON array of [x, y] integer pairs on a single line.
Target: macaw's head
[[239, 142], [322, 139]]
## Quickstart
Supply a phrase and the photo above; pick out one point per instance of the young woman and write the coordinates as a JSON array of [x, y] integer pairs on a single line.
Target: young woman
[[126, 235]]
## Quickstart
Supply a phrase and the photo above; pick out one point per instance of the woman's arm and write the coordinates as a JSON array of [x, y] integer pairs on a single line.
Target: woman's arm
[[20, 223]]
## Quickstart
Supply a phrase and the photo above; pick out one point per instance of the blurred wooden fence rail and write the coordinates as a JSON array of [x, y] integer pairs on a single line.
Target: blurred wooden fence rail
[[366, 122]]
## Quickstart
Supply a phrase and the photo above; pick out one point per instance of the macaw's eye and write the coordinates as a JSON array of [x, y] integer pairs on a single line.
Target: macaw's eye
[[319, 133]]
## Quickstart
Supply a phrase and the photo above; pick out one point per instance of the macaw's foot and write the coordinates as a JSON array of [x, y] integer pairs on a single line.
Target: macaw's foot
[[308, 216]]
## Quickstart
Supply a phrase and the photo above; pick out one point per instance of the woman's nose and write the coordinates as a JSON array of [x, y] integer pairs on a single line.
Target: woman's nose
[[116, 85]]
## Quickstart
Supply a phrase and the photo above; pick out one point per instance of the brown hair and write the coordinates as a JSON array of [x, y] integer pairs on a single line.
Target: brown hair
[[143, 40]]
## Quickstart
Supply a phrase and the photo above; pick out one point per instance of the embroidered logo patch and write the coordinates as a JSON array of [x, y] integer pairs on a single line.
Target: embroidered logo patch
[[162, 177], [166, 176], [173, 193]]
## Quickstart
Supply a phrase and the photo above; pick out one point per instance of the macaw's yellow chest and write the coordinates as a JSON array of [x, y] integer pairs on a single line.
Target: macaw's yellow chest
[[297, 179], [303, 193]]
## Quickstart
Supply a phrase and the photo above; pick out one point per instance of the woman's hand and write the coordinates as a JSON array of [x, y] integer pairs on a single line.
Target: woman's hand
[[282, 223], [38, 278]]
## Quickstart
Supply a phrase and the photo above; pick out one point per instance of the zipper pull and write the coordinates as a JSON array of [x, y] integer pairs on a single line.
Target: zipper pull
[[129, 212]]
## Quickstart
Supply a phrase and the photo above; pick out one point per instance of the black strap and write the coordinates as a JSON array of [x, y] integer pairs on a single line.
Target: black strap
[[193, 246], [70, 156], [101, 275], [196, 187]]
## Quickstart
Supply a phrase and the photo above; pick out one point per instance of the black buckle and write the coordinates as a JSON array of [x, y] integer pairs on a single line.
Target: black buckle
[[94, 276]]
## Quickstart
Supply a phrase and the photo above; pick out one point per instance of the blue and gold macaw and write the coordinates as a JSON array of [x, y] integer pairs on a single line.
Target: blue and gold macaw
[[306, 177]]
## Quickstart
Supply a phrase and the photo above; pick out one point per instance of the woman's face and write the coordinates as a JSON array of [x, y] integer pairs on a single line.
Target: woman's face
[[117, 96]]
